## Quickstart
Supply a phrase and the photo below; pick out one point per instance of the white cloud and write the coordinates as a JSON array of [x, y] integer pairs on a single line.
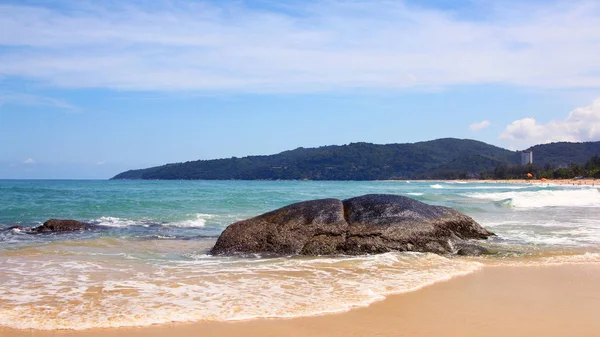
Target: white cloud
[[100, 163], [479, 126], [29, 161], [307, 47], [582, 124]]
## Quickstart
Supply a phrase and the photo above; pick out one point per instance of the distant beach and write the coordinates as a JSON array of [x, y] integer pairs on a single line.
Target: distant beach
[[574, 182]]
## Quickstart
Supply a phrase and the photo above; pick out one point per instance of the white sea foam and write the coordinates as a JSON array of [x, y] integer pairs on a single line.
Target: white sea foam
[[589, 197], [569, 259], [193, 220], [455, 186], [554, 227], [504, 187], [59, 294], [415, 193], [110, 221], [533, 237], [197, 220], [540, 261]]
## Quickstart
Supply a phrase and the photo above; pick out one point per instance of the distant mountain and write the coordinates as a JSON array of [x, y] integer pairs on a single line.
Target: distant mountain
[[446, 158], [562, 154], [355, 161]]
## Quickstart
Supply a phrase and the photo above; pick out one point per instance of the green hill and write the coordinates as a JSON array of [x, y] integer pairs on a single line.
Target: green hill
[[562, 154], [446, 158]]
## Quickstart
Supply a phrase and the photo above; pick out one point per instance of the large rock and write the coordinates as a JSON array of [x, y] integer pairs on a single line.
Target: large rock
[[375, 223], [58, 225]]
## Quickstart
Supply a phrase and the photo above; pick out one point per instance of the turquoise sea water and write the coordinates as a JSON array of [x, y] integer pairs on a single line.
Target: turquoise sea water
[[146, 261]]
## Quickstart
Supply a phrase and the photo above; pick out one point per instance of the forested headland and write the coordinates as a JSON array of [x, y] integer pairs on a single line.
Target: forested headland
[[446, 158]]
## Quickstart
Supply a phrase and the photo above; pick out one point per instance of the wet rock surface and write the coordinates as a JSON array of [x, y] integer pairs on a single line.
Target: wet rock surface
[[59, 225], [369, 224]]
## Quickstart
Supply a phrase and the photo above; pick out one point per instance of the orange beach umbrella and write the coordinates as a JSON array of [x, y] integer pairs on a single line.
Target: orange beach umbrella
[[529, 175]]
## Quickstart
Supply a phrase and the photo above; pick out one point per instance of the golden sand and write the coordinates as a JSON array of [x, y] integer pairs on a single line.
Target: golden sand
[[497, 301]]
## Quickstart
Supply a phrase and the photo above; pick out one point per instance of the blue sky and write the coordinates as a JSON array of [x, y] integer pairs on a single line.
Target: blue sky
[[89, 89]]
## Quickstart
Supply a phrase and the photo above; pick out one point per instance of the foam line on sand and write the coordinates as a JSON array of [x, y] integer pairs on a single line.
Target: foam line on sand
[[496, 301]]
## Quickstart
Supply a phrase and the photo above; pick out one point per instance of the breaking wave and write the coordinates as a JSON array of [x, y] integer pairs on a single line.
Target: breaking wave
[[193, 220], [589, 197]]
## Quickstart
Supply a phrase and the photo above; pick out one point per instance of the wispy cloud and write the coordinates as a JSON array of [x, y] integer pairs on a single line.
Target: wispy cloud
[[307, 47], [34, 100], [582, 124], [29, 161], [479, 126]]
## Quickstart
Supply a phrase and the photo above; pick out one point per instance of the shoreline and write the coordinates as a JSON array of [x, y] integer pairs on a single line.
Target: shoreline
[[575, 182], [557, 300]]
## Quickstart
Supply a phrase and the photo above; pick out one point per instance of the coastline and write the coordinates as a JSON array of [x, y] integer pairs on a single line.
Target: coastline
[[557, 300], [575, 182]]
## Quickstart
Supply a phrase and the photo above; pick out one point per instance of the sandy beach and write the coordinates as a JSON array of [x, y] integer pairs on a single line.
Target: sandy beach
[[574, 182], [559, 300]]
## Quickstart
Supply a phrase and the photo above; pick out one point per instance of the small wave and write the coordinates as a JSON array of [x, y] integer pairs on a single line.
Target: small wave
[[544, 198], [545, 239], [109, 221], [199, 220], [569, 259], [436, 186], [193, 221], [504, 187], [164, 237], [417, 194], [540, 261], [113, 293]]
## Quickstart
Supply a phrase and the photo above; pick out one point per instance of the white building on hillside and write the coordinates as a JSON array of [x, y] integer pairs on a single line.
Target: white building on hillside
[[526, 158]]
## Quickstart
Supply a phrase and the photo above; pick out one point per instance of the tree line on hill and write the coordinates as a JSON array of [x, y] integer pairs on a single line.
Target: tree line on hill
[[590, 169], [446, 158]]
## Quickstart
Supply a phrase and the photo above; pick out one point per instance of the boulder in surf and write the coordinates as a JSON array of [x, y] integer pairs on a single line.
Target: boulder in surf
[[59, 225], [369, 224]]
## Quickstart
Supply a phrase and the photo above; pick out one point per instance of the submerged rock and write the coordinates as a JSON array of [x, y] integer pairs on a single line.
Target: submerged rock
[[470, 249], [13, 228], [58, 225], [374, 223]]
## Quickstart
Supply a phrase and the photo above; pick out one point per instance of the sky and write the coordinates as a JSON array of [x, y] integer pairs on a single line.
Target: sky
[[89, 89]]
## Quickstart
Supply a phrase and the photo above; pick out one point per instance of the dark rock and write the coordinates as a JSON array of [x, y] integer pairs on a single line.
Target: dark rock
[[375, 223], [58, 225], [16, 228], [314, 227]]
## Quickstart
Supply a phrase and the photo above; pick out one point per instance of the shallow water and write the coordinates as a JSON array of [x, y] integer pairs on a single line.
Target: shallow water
[[146, 261]]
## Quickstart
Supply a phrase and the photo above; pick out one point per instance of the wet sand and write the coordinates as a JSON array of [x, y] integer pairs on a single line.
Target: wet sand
[[545, 301]]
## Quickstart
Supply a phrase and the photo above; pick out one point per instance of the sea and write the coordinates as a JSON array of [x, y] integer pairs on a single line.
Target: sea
[[146, 262]]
